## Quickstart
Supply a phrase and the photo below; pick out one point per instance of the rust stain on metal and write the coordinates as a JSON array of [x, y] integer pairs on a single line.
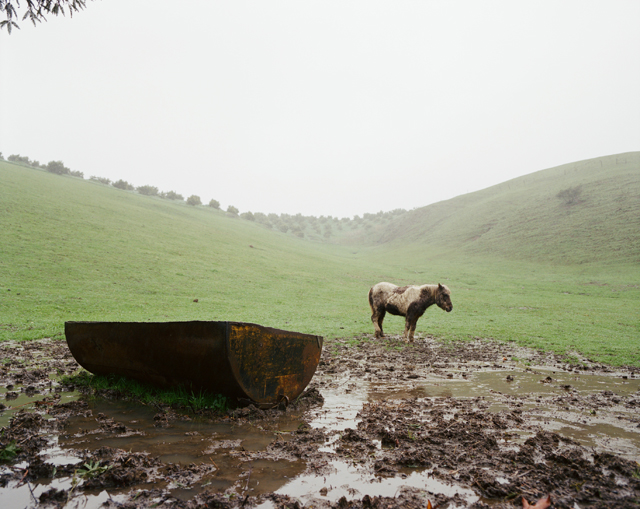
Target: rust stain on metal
[[236, 359]]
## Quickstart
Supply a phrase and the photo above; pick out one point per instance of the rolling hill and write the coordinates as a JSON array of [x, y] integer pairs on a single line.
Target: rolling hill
[[584, 212]]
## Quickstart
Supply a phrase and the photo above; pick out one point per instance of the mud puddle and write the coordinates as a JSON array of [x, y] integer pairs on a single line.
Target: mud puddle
[[344, 480], [216, 448], [584, 406], [385, 423]]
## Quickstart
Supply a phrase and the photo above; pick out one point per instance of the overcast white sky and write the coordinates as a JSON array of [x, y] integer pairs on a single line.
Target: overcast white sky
[[323, 107]]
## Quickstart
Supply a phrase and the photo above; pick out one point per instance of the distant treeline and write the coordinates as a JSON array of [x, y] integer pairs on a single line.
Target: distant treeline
[[322, 228], [59, 168], [56, 167]]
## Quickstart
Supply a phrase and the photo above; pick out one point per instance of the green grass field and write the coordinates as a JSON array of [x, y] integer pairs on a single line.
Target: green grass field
[[565, 278]]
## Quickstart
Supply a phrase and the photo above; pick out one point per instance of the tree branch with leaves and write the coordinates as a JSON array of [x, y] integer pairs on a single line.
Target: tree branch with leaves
[[36, 10]]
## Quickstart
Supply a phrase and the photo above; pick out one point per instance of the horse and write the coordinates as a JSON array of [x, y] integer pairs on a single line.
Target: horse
[[408, 301]]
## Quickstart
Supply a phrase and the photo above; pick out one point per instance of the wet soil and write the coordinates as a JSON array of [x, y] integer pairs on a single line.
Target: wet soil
[[382, 424]]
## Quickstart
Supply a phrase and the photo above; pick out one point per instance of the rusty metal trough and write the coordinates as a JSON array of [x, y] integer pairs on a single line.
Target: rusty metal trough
[[238, 360]]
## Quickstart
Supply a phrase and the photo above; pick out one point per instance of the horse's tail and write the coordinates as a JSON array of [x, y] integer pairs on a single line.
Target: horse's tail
[[371, 299]]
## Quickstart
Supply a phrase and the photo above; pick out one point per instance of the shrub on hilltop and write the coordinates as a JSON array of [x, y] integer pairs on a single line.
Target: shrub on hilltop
[[123, 184], [194, 200], [148, 190], [171, 195], [57, 167]]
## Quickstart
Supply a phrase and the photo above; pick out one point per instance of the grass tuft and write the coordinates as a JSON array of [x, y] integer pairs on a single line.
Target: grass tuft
[[179, 397]]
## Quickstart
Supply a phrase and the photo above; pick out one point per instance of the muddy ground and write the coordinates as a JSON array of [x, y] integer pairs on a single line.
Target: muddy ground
[[382, 425]]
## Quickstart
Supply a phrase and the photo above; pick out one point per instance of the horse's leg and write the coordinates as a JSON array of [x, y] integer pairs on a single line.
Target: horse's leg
[[381, 314], [412, 330], [414, 312], [410, 326], [376, 318], [376, 327]]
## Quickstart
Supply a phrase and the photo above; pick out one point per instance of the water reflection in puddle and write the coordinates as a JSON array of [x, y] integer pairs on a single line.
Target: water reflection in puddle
[[189, 442], [182, 442], [221, 444], [19, 495], [483, 383], [340, 410], [57, 456], [24, 401], [352, 482], [615, 430]]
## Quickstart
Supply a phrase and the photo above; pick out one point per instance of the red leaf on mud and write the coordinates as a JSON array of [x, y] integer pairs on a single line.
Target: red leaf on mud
[[429, 506], [543, 503]]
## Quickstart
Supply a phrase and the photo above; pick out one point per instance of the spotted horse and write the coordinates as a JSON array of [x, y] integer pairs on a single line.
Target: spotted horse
[[408, 301]]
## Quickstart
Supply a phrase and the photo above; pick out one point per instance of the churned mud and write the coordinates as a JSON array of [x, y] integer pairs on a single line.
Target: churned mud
[[383, 424]]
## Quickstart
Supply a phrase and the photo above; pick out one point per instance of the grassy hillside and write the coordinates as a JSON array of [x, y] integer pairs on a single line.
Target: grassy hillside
[[577, 213], [76, 250]]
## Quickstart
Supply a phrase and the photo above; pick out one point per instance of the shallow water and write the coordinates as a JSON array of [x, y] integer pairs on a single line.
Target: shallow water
[[198, 441], [482, 383], [190, 442], [23, 401], [352, 482], [340, 409]]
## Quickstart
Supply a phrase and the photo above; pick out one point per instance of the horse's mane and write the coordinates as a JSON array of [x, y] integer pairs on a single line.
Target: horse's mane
[[433, 288]]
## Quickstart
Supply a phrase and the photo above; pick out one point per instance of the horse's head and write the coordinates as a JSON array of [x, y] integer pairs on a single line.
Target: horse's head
[[443, 298]]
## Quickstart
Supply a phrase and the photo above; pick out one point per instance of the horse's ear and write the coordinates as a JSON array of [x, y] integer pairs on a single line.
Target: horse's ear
[[439, 286]]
